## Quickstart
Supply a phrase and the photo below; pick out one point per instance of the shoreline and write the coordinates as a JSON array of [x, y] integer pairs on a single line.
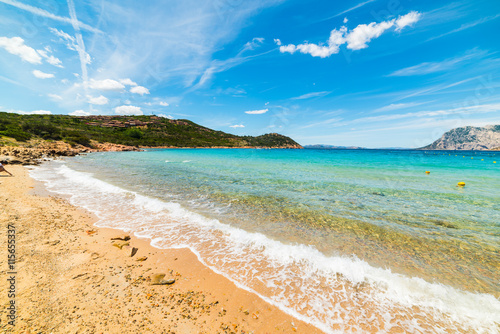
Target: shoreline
[[69, 271]]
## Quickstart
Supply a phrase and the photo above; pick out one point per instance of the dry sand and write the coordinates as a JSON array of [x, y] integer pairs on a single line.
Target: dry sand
[[71, 279]]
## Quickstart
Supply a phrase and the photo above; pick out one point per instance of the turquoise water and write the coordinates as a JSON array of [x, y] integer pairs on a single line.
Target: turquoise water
[[341, 222]]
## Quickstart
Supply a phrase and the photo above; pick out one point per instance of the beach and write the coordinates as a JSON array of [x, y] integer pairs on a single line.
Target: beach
[[70, 278]]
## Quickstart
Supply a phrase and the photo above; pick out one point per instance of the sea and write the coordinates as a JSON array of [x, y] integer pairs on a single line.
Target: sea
[[350, 241]]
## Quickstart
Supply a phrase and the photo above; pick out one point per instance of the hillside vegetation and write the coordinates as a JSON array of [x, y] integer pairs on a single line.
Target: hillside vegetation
[[144, 131]]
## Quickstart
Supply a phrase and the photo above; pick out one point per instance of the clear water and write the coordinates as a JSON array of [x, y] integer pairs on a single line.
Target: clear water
[[348, 240]]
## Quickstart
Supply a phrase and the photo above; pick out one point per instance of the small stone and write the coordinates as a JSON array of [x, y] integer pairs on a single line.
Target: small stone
[[134, 251], [142, 258], [121, 244], [125, 238]]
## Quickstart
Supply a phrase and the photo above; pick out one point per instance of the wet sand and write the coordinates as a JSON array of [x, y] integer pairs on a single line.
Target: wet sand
[[72, 278]]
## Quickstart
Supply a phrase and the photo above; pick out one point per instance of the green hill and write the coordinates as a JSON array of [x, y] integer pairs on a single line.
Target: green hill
[[145, 131]]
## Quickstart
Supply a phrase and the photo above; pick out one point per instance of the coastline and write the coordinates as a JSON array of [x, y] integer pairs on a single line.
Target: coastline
[[70, 277]]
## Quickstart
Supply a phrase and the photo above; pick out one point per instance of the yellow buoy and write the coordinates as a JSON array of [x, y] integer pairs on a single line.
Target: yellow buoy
[[427, 172], [482, 159], [461, 184], [494, 162]]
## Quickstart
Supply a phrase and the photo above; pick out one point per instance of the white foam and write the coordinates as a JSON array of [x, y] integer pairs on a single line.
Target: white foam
[[292, 277]]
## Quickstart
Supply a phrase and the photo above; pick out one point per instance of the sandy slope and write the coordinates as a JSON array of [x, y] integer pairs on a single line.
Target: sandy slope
[[71, 279]]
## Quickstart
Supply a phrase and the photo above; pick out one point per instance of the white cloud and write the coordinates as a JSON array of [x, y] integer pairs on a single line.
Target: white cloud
[[106, 85], [277, 41], [237, 126], [42, 75], [79, 113], [50, 59], [164, 104], [165, 116], [345, 20], [128, 110], [16, 46], [407, 20], [40, 112], [100, 100], [139, 90], [55, 97], [356, 39], [256, 112], [128, 82]]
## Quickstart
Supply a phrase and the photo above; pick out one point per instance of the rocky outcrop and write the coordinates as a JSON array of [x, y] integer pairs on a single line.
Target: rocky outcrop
[[34, 152], [468, 138]]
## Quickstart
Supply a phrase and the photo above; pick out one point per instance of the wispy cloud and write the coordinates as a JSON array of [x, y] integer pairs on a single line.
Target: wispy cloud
[[397, 106], [44, 13], [311, 95], [466, 26], [237, 126], [432, 67], [348, 10]]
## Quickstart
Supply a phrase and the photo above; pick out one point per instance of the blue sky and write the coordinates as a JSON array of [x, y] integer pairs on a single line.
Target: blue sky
[[370, 73]]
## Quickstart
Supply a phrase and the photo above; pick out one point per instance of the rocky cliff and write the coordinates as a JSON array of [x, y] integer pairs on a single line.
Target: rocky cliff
[[468, 138]]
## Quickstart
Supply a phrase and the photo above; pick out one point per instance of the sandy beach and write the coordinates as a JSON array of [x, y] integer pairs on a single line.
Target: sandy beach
[[71, 277]]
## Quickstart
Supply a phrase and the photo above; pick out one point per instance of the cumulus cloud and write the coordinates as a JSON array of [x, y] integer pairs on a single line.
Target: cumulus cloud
[[256, 112], [139, 90], [356, 39], [100, 100], [34, 112], [128, 110], [128, 82], [79, 113], [237, 126], [42, 75], [16, 46], [106, 85], [407, 20], [164, 104], [165, 116]]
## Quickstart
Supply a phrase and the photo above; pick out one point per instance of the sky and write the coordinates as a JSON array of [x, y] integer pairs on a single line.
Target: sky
[[369, 73]]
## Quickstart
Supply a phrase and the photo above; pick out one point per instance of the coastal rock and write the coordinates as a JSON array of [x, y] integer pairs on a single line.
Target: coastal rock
[[158, 279], [125, 238], [120, 245], [468, 138]]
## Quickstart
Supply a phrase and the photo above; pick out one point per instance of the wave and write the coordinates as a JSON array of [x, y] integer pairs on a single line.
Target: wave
[[336, 294]]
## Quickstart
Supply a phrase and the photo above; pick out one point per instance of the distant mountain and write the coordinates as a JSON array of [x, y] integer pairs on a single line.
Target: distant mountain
[[332, 147], [138, 131], [468, 138]]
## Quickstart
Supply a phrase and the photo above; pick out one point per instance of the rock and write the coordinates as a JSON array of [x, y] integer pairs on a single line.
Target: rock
[[121, 244], [125, 238], [157, 279], [142, 258], [468, 138], [134, 251]]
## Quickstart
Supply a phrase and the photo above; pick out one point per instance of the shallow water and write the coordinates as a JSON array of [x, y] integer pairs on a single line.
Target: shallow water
[[347, 240]]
